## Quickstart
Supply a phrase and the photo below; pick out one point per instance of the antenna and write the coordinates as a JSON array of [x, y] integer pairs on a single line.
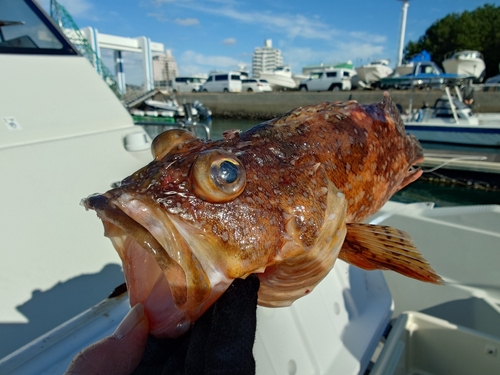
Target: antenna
[[404, 12]]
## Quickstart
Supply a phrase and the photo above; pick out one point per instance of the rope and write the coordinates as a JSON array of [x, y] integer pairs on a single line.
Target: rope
[[479, 158]]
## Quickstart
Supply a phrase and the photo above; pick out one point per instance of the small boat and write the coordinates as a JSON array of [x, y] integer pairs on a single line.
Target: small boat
[[280, 78], [374, 71], [470, 63], [168, 108], [449, 120]]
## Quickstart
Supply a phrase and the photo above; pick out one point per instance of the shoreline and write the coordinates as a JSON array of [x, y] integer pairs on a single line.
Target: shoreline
[[264, 106]]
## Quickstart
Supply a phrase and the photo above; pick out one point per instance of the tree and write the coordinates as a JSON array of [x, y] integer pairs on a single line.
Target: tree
[[477, 30]]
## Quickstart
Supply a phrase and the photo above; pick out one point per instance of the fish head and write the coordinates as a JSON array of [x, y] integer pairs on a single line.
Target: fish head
[[204, 213]]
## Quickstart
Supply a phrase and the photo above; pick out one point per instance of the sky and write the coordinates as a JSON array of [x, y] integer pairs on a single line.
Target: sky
[[221, 34]]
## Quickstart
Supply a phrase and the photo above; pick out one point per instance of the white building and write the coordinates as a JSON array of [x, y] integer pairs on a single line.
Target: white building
[[142, 45], [164, 69], [266, 58]]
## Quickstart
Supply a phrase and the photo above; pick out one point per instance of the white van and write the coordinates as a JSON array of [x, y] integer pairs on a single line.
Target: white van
[[187, 84], [223, 82], [328, 80]]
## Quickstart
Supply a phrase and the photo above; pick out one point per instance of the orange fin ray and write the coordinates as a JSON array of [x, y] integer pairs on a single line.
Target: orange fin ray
[[381, 247]]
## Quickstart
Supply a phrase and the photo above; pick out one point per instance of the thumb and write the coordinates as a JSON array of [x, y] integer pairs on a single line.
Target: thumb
[[118, 354]]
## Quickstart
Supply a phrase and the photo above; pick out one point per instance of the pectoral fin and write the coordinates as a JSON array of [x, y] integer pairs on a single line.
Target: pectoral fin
[[381, 247]]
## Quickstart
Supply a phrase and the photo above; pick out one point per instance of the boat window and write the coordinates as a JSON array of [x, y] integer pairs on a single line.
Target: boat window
[[426, 69], [25, 29]]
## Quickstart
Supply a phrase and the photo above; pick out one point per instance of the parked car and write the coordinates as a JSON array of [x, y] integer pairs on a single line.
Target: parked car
[[222, 82], [187, 84], [255, 85], [327, 80]]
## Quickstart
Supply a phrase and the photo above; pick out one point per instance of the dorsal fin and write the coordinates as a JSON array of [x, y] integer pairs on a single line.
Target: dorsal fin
[[381, 247]]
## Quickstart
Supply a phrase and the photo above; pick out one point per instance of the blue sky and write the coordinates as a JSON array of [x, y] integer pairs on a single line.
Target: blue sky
[[220, 34]]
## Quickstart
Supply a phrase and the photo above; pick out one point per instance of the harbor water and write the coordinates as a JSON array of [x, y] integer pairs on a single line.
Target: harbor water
[[442, 192]]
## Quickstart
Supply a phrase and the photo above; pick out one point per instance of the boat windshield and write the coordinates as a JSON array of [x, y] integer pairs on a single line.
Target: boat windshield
[[25, 29]]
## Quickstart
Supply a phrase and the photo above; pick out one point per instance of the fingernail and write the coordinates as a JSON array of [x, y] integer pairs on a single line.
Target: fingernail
[[133, 317]]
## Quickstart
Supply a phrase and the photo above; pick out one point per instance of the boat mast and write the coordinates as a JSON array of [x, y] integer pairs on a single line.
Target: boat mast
[[404, 12]]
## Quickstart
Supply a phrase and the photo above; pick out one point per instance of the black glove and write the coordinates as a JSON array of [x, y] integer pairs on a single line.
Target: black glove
[[220, 342]]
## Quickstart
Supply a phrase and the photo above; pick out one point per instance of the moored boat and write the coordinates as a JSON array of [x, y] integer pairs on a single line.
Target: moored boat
[[374, 71], [449, 120], [468, 62], [280, 78]]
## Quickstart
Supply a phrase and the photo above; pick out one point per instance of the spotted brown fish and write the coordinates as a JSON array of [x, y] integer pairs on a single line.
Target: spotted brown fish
[[283, 200]]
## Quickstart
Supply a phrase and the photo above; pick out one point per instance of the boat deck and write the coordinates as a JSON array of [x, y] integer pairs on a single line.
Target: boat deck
[[479, 161]]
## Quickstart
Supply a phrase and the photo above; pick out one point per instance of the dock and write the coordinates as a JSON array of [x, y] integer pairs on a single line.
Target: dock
[[470, 167]]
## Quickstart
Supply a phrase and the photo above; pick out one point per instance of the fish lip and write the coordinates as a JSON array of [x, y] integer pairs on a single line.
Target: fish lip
[[110, 212], [125, 233], [191, 287]]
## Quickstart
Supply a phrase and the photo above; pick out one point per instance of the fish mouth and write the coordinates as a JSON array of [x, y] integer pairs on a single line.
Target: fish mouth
[[164, 270]]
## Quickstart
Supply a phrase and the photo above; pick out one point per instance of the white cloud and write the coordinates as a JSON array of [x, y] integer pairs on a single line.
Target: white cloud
[[229, 41], [367, 37], [187, 21], [77, 8], [159, 16], [191, 62], [341, 52], [291, 25]]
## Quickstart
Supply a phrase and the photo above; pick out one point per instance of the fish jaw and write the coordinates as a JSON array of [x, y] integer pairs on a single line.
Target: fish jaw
[[175, 284]]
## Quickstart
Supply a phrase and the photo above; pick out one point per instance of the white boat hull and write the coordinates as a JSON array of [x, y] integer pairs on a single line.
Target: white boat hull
[[469, 67], [482, 135], [405, 69], [278, 81], [372, 74]]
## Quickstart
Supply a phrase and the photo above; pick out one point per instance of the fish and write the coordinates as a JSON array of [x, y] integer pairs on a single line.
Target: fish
[[282, 200]]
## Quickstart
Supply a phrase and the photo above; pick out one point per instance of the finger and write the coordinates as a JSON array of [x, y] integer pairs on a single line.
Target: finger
[[118, 354]]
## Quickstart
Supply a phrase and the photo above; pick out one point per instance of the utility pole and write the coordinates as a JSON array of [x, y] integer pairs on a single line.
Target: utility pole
[[404, 12]]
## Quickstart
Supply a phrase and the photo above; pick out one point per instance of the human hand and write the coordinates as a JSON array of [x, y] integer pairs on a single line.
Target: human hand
[[118, 354], [220, 342]]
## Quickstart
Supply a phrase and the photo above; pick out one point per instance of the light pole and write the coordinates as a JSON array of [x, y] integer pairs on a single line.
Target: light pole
[[404, 12]]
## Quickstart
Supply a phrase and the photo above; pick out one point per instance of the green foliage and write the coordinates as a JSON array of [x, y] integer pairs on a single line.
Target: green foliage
[[478, 30]]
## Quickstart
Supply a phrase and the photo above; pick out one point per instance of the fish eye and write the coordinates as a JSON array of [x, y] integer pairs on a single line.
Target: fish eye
[[217, 176], [226, 172], [169, 140]]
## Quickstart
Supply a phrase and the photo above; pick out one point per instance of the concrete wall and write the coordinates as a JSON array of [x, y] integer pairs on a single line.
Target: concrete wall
[[268, 105]]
